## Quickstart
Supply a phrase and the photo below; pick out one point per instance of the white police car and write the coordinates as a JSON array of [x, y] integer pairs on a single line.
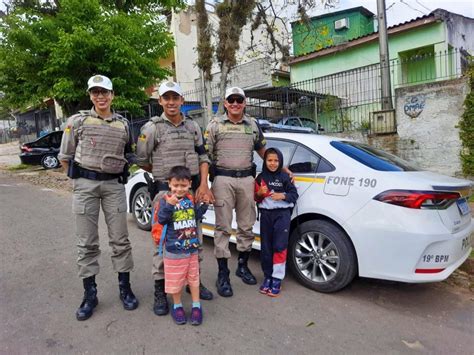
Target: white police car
[[361, 212]]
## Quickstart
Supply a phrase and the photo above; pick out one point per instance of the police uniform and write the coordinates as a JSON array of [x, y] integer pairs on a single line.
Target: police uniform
[[230, 146], [165, 145], [95, 149], [97, 146]]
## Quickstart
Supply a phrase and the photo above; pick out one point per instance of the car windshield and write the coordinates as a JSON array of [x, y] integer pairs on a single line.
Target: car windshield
[[373, 157]]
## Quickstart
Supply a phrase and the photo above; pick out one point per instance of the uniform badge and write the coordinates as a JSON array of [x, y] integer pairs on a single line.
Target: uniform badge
[[68, 129], [142, 137]]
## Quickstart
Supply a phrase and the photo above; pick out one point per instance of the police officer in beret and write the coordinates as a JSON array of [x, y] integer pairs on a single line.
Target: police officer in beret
[[165, 142], [93, 149], [231, 139]]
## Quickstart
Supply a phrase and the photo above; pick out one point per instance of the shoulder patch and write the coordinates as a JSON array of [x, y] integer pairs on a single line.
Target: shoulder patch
[[142, 137]]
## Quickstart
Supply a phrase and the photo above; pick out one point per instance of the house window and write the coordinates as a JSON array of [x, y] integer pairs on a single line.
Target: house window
[[417, 65]]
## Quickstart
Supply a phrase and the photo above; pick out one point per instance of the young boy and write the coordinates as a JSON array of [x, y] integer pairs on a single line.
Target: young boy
[[178, 215], [275, 195]]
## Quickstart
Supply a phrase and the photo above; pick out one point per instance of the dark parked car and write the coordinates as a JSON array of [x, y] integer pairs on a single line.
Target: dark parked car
[[43, 151]]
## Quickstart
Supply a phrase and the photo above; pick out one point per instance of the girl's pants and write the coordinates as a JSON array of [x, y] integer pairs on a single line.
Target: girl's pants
[[274, 234]]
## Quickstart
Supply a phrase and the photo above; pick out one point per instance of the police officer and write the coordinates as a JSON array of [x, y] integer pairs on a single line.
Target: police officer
[[93, 151], [165, 142], [231, 140]]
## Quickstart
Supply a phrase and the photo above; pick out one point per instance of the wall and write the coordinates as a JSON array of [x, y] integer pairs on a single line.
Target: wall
[[427, 116], [321, 32], [183, 27]]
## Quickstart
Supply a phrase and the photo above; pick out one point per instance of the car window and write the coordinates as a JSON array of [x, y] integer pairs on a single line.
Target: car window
[[372, 157], [43, 142], [293, 122], [56, 139], [324, 166], [308, 123], [304, 161], [286, 148]]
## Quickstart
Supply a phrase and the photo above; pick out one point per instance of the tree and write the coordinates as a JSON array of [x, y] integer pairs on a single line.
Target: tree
[[233, 16], [51, 48]]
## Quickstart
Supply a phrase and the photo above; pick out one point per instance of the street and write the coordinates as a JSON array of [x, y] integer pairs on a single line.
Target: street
[[40, 292]]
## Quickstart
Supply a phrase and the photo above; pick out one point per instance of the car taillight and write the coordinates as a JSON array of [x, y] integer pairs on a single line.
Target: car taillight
[[25, 148], [418, 199]]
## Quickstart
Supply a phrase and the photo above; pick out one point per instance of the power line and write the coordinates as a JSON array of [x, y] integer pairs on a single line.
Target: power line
[[419, 3], [411, 7]]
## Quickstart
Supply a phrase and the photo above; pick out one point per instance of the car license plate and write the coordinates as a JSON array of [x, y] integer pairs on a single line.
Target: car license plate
[[463, 206]]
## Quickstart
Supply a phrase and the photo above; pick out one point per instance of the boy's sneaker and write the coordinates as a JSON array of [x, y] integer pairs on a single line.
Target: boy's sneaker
[[266, 285], [275, 289], [196, 316], [178, 315]]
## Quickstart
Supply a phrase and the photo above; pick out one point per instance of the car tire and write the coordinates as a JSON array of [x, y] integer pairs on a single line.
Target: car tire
[[141, 208], [321, 256], [50, 161]]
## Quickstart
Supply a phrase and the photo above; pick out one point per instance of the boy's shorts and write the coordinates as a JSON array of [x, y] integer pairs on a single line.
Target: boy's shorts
[[178, 272]]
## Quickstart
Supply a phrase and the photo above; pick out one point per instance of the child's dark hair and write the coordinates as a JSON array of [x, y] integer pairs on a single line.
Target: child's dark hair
[[271, 151], [179, 173]]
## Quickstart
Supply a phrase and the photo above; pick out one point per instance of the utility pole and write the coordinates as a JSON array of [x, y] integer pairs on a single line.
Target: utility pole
[[384, 57]]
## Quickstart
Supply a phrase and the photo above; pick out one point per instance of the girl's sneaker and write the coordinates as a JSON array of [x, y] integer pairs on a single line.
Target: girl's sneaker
[[275, 289], [266, 285], [178, 315], [196, 316]]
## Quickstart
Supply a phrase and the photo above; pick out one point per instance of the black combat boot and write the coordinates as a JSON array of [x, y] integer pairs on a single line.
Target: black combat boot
[[160, 307], [204, 293], [127, 297], [89, 301], [223, 282], [243, 270]]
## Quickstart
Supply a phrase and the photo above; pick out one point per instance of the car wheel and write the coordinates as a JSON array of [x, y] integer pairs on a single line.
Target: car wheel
[[141, 208], [50, 162], [321, 256]]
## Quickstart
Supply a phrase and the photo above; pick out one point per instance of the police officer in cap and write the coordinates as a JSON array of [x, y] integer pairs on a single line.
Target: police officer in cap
[[165, 142], [93, 149], [231, 140]]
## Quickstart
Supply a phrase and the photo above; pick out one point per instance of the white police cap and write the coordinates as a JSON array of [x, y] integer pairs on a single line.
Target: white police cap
[[170, 86], [99, 81], [234, 91]]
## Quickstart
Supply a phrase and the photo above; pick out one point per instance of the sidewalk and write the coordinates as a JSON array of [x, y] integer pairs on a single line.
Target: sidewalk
[[9, 153]]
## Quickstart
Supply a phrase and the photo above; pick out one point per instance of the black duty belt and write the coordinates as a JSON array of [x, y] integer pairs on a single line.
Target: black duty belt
[[95, 175], [233, 173]]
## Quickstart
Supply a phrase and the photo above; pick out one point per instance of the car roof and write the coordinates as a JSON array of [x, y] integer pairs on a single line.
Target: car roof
[[309, 139]]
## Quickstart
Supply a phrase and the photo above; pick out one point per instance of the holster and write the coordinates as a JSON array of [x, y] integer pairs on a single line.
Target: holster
[[154, 186], [73, 169], [195, 181], [123, 179], [254, 170], [212, 172]]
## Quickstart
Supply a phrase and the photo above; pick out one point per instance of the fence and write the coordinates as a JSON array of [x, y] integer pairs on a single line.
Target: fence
[[351, 100]]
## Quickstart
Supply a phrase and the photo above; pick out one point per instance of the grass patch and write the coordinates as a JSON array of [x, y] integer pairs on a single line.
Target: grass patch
[[471, 199], [18, 167]]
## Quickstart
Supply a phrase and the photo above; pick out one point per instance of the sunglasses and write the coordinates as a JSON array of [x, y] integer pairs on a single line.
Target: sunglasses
[[237, 99], [97, 92]]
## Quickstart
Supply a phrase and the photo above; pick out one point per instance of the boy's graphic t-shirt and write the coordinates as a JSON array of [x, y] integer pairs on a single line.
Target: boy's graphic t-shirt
[[181, 235]]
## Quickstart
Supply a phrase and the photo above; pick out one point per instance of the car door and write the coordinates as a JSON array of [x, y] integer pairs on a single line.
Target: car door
[[287, 147]]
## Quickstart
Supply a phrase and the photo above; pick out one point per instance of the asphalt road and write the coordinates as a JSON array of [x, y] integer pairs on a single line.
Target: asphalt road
[[39, 293]]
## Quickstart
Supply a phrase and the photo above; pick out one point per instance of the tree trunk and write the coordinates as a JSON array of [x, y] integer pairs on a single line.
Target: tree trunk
[[222, 86]]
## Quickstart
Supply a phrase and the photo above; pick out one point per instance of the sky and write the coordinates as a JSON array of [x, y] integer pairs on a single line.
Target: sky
[[399, 11]]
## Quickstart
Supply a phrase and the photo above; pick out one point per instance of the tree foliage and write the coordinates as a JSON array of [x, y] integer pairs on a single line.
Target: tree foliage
[[267, 15], [466, 127], [51, 48]]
